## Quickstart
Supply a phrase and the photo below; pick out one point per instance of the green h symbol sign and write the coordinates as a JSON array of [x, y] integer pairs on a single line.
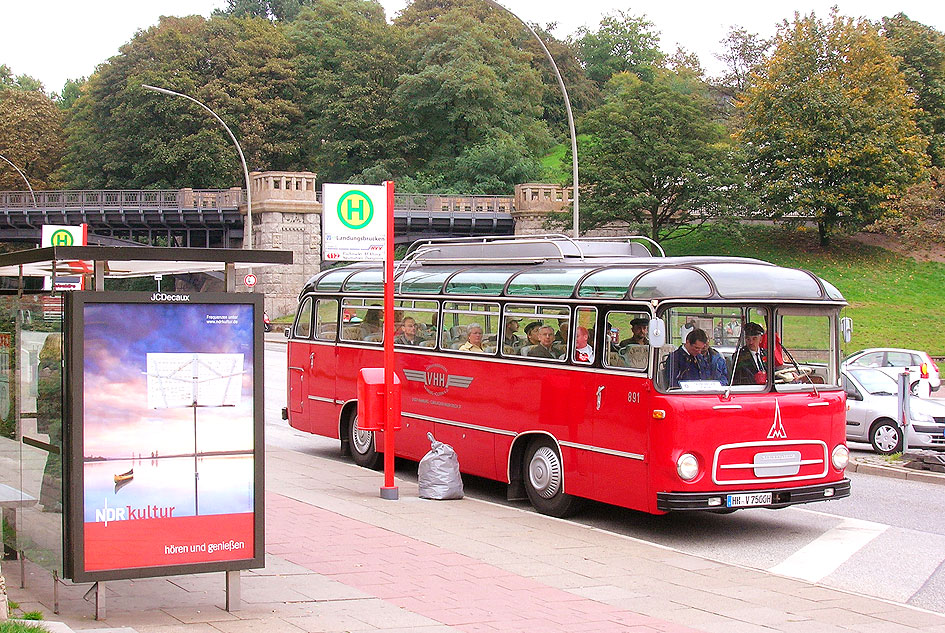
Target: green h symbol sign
[[61, 237], [355, 209]]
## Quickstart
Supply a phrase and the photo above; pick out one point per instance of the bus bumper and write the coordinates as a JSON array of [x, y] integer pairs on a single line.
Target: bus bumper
[[780, 497]]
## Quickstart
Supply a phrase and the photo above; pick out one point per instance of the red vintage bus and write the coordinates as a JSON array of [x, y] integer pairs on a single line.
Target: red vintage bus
[[553, 364]]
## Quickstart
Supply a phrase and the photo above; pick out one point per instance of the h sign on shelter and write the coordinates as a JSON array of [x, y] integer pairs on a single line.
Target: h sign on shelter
[[354, 222]]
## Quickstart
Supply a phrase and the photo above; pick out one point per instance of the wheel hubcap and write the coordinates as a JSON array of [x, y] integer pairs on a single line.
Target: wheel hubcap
[[544, 472], [887, 438], [361, 440]]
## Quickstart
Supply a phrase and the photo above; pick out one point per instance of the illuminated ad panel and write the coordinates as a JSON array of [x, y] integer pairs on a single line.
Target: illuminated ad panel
[[166, 409]]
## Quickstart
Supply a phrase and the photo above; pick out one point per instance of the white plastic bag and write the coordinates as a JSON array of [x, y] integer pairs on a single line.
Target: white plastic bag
[[438, 474]]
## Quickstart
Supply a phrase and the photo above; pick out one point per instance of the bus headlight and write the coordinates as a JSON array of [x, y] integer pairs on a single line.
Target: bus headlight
[[840, 457], [687, 466]]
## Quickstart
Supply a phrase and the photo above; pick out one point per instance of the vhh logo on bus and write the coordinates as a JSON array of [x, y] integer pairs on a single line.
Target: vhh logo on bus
[[436, 380]]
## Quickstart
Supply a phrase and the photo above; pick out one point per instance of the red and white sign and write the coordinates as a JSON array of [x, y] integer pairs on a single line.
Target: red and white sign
[[250, 280]]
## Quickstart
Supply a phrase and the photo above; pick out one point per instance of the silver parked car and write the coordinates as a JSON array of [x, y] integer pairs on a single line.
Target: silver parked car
[[872, 409], [892, 361]]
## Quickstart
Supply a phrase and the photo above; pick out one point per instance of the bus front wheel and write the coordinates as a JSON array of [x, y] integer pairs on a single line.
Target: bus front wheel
[[544, 480], [363, 451]]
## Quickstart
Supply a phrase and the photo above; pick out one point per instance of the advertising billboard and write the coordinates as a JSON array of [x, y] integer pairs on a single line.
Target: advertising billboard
[[165, 450]]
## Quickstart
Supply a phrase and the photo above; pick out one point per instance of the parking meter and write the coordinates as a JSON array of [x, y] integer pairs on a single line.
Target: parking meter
[[903, 395]]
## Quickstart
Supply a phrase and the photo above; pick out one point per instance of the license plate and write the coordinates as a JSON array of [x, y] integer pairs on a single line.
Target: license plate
[[748, 499]]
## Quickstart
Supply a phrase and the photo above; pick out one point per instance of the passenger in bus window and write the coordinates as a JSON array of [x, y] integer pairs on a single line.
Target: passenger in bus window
[[409, 335], [583, 352], [545, 347], [371, 325], [561, 336], [639, 328], [695, 360], [511, 339], [751, 363], [473, 339], [531, 332]]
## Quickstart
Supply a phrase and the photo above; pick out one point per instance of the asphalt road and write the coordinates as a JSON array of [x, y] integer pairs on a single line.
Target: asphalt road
[[887, 540]]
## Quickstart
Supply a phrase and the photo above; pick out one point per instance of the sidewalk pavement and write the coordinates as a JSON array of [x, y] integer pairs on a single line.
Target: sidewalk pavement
[[340, 558]]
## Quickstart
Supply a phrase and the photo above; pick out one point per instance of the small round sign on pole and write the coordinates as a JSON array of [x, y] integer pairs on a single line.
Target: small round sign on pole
[[250, 280]]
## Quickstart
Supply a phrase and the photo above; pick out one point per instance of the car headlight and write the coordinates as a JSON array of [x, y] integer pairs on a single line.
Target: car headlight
[[840, 456], [921, 417], [687, 466]]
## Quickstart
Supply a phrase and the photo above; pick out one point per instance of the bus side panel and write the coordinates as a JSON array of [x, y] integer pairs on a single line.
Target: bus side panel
[[621, 425]]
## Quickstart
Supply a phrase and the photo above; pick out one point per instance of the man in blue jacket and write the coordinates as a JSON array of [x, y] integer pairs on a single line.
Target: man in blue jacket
[[695, 360]]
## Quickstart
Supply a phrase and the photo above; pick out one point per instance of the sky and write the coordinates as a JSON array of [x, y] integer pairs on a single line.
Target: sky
[[57, 40]]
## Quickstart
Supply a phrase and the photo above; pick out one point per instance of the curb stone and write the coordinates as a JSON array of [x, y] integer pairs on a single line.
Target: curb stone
[[896, 471]]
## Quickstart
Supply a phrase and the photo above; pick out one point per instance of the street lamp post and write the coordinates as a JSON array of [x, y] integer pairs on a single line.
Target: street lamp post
[[249, 197], [567, 105], [23, 176]]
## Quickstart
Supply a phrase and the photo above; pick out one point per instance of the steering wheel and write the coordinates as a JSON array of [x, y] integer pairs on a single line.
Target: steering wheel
[[791, 374]]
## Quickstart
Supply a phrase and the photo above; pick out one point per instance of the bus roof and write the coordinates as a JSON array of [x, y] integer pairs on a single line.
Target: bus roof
[[533, 267]]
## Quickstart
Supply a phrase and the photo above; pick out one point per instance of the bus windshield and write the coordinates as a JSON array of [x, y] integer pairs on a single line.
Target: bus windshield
[[727, 348]]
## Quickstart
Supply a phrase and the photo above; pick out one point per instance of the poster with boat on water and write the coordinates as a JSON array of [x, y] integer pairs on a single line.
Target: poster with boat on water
[[168, 434]]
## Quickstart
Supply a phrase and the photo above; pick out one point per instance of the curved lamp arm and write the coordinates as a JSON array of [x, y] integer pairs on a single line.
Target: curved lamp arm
[[23, 176], [249, 197], [567, 104]]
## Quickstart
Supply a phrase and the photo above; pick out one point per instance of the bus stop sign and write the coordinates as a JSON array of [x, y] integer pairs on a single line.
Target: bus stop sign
[[354, 222]]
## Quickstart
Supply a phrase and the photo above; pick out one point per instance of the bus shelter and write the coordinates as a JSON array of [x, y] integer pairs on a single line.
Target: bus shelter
[[85, 371]]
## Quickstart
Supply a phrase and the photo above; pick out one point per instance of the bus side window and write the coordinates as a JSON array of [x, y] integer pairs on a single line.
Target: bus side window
[[303, 322], [584, 345], [326, 320], [627, 339]]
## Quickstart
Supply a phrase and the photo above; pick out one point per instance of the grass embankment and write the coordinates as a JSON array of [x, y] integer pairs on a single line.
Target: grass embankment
[[895, 301]]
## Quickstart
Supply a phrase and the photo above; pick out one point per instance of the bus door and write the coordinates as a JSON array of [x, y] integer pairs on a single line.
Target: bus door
[[621, 410], [299, 361]]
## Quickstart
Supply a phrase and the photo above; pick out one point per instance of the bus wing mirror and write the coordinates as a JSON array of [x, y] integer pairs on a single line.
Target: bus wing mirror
[[846, 329], [657, 332]]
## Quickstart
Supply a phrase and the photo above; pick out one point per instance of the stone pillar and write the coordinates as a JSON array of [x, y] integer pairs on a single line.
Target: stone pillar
[[534, 202], [286, 216]]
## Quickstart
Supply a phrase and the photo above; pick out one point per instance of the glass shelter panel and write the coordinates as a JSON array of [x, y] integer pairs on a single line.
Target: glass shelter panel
[[31, 428]]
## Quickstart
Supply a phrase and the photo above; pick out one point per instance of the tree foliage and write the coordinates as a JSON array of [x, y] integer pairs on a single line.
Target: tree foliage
[[922, 52], [348, 62], [18, 82], [467, 85], [622, 43], [743, 54], [918, 217], [276, 10], [31, 137], [654, 158], [829, 129], [122, 136]]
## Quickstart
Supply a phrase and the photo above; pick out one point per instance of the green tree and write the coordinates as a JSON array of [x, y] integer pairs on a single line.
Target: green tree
[[917, 218], [276, 10], [31, 137], [348, 64], [122, 136], [922, 52], [467, 85], [743, 53], [653, 158], [829, 129], [19, 82], [621, 43]]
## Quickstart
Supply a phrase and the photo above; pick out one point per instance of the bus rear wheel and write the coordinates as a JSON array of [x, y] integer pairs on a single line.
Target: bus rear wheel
[[544, 480], [363, 450]]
